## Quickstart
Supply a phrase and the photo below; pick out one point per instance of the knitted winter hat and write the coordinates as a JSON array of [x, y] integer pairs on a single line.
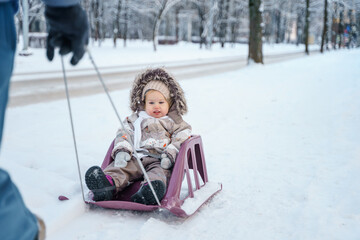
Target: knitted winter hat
[[158, 86]]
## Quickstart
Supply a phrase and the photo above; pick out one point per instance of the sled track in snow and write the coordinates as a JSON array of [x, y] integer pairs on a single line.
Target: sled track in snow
[[49, 86]]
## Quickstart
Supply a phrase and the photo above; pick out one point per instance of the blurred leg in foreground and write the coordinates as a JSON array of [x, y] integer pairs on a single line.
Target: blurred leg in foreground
[[16, 221]]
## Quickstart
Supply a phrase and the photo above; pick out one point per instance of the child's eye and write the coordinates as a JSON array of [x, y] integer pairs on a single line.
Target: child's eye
[[161, 102], [151, 102]]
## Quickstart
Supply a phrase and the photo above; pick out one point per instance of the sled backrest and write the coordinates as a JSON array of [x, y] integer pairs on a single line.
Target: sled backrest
[[190, 156]]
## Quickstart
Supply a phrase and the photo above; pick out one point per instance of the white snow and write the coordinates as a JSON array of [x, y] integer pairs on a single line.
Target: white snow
[[136, 54], [200, 196], [283, 139]]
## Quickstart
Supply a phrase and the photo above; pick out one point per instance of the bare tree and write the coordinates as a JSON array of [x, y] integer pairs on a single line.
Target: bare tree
[[323, 37], [255, 36], [208, 21], [307, 22], [208, 33], [158, 9], [239, 21], [223, 21], [116, 26], [201, 8], [96, 18], [35, 13], [162, 7], [300, 22], [126, 22], [161, 10]]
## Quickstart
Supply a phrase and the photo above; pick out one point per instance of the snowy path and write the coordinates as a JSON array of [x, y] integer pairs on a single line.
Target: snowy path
[[44, 86], [282, 138]]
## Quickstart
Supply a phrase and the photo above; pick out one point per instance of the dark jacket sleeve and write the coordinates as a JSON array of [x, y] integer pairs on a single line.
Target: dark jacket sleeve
[[61, 3]]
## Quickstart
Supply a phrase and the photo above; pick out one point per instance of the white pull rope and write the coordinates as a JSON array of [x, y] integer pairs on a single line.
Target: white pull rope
[[123, 127], [72, 125]]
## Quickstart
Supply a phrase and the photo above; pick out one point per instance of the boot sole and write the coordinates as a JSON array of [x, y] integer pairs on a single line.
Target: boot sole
[[145, 195], [97, 182]]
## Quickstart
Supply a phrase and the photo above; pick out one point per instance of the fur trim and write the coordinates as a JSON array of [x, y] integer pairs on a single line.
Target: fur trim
[[158, 74]]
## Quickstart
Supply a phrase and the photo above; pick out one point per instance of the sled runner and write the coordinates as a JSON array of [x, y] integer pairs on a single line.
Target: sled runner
[[186, 192]]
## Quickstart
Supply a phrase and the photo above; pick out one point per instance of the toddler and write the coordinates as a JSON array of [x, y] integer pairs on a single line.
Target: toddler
[[156, 130]]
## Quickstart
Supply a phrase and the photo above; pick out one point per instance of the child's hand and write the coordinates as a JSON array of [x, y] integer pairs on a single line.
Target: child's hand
[[121, 159], [165, 161]]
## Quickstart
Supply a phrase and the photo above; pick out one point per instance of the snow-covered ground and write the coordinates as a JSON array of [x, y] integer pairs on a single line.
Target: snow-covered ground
[[283, 139], [141, 53]]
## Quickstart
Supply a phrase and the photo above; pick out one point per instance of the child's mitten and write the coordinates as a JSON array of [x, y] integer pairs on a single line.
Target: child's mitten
[[165, 161], [121, 159]]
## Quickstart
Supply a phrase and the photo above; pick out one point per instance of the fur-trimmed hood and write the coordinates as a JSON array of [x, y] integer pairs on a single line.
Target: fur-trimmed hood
[[178, 102]]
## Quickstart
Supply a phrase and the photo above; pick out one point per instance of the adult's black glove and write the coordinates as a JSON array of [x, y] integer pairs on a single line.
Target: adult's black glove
[[67, 29]]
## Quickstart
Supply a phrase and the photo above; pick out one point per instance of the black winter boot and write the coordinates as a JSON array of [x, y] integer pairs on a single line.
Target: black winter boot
[[102, 187], [145, 195]]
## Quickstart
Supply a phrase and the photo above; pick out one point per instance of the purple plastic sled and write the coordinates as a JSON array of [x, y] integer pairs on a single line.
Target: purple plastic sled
[[182, 198]]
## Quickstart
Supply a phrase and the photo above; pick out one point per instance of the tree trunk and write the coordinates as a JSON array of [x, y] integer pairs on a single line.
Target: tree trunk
[[177, 25], [101, 23], [155, 31], [278, 26], [255, 36], [324, 28], [307, 20], [341, 28], [95, 7], [223, 17], [210, 24], [25, 25], [232, 24], [126, 22], [189, 28], [157, 24], [117, 23], [202, 25], [299, 30]]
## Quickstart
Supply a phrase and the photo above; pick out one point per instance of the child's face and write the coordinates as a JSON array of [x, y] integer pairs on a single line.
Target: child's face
[[156, 104]]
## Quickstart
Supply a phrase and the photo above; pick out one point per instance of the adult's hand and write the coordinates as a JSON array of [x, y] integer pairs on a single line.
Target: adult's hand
[[68, 29]]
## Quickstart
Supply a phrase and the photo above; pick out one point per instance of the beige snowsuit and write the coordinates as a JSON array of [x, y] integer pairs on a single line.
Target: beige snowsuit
[[158, 135]]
